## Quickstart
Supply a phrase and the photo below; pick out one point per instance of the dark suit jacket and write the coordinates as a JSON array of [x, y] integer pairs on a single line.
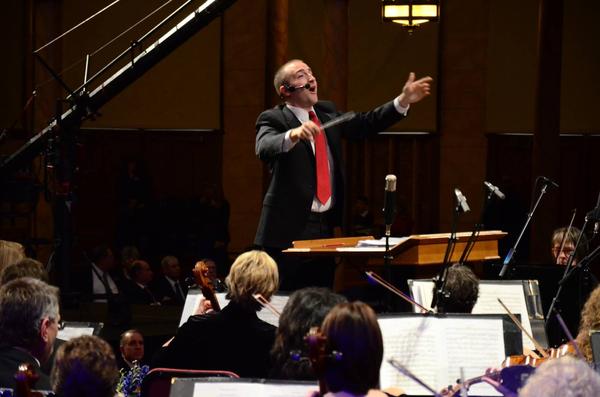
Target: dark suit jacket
[[164, 293], [289, 198], [10, 359], [134, 294], [232, 339]]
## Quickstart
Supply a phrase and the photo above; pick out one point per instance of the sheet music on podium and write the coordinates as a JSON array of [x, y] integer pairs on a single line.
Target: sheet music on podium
[[511, 292], [229, 387], [194, 296], [435, 348]]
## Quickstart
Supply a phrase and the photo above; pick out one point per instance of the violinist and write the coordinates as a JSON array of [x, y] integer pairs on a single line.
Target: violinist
[[461, 290], [355, 351], [306, 308], [590, 320], [85, 366], [577, 287], [233, 339], [565, 376], [563, 244], [29, 324]]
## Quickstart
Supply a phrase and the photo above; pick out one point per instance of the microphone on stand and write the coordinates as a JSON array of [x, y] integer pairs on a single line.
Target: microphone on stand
[[389, 203], [495, 190], [461, 201], [549, 181]]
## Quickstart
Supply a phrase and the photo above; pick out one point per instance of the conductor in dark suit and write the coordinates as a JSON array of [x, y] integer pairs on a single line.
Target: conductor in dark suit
[[305, 198]]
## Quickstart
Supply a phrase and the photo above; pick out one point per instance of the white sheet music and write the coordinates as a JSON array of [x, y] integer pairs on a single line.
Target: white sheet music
[[511, 293], [195, 296], [69, 333], [434, 349], [238, 389]]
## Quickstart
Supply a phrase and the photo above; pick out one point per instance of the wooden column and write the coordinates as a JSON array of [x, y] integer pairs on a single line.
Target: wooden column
[[546, 145], [335, 42], [277, 46]]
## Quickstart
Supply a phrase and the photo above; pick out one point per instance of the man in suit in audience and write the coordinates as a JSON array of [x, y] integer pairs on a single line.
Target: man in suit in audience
[[168, 288], [131, 347], [137, 290], [29, 324]]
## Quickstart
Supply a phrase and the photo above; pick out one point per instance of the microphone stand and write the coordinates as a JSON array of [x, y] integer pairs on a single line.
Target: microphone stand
[[440, 282], [478, 226], [511, 252]]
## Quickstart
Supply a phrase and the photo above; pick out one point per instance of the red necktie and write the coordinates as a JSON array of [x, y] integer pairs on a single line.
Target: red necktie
[[323, 180]]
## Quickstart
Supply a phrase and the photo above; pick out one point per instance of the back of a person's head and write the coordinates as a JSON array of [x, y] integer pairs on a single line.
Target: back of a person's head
[[24, 302], [253, 272], [304, 309], [462, 287], [10, 252], [24, 268], [590, 320], [562, 377], [85, 366], [352, 330]]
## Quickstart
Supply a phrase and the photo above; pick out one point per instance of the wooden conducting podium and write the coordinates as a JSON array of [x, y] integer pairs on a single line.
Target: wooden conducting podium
[[419, 250]]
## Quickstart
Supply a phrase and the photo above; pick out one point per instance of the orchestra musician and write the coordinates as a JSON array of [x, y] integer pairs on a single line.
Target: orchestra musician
[[355, 347], [233, 339]]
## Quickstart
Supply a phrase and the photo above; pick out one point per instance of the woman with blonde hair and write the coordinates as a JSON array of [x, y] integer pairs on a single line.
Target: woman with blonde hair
[[10, 252], [233, 339]]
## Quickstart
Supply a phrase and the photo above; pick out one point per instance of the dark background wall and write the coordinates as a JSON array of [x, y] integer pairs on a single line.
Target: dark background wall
[[482, 55]]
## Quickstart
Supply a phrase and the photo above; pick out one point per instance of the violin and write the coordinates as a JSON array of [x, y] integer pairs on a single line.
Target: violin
[[200, 272], [25, 380]]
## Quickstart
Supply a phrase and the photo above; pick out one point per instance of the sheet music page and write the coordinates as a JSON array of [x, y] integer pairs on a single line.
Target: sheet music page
[[513, 296], [69, 333], [475, 345], [238, 389], [422, 293], [194, 296], [511, 293], [415, 342], [434, 350]]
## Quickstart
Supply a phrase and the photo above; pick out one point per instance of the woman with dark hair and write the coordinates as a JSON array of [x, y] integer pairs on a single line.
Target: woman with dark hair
[[352, 332], [305, 308]]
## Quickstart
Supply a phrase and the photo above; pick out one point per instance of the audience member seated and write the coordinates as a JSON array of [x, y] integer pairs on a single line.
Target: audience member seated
[[10, 252], [352, 331], [129, 254], [29, 323], [168, 288], [562, 257], [234, 339], [131, 346], [97, 281], [85, 366], [24, 268], [362, 218], [137, 290], [562, 377], [306, 308], [461, 290]]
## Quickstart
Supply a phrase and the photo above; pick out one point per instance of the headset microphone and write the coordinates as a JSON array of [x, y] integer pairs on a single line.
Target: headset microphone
[[290, 88]]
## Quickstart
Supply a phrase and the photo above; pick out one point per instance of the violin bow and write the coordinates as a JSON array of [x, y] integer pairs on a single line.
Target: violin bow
[[379, 280], [266, 304], [518, 324], [568, 334], [404, 371]]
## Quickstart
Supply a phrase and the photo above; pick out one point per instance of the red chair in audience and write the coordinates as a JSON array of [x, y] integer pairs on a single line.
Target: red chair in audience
[[157, 382]]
